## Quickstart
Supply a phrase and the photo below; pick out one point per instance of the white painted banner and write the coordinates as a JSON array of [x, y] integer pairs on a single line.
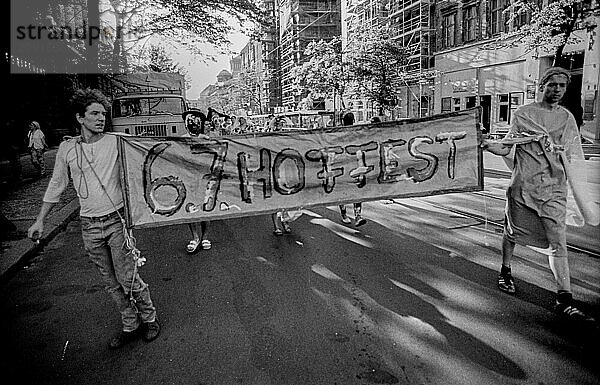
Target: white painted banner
[[178, 180]]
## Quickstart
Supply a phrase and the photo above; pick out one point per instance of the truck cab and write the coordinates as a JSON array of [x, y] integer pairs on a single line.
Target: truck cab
[[149, 113]]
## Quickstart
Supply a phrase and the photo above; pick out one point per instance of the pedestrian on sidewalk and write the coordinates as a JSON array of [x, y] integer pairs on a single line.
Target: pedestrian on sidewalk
[[541, 147], [91, 161], [348, 120], [37, 147]]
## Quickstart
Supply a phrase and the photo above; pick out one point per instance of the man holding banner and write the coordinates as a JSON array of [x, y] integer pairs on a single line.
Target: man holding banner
[[546, 154], [92, 162]]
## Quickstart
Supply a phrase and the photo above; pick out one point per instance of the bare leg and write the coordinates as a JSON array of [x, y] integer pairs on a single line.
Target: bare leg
[[562, 274], [206, 244], [508, 248], [194, 230], [192, 246], [204, 230]]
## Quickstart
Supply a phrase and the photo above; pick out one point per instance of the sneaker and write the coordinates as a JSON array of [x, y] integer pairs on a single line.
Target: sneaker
[[359, 221], [152, 331], [346, 220], [506, 283], [123, 338], [571, 312]]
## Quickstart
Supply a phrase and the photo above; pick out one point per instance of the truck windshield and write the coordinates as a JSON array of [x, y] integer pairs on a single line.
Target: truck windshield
[[147, 106]]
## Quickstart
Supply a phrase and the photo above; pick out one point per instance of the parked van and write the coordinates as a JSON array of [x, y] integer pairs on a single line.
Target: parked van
[[149, 113]]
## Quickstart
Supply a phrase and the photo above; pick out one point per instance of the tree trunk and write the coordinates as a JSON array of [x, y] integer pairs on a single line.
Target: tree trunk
[[559, 60]]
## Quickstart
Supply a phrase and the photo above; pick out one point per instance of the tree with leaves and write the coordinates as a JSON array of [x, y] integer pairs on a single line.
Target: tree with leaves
[[371, 66], [377, 66], [324, 74], [250, 89], [187, 24], [551, 27], [550, 30], [158, 60]]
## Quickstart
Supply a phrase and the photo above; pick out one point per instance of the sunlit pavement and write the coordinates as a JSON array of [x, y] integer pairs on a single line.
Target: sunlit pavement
[[409, 298]]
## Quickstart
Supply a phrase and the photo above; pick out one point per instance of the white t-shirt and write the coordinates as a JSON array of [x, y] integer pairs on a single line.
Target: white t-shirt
[[76, 158]]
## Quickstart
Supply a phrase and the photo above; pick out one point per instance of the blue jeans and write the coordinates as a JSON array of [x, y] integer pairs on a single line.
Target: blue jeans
[[105, 244]]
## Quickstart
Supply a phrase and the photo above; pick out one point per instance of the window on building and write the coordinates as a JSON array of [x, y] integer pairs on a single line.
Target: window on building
[[469, 23], [521, 19], [498, 18], [456, 104], [470, 101], [503, 108], [425, 102], [516, 100], [446, 106], [448, 30]]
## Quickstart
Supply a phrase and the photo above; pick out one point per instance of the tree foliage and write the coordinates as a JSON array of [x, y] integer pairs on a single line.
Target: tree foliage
[[249, 87], [157, 59], [377, 65], [323, 74], [187, 24], [551, 26], [160, 61], [371, 67]]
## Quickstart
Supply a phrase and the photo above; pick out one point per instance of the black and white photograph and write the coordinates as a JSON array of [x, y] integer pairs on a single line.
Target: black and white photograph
[[300, 192]]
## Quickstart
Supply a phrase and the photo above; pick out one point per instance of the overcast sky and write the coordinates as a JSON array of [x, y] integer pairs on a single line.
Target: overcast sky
[[203, 74]]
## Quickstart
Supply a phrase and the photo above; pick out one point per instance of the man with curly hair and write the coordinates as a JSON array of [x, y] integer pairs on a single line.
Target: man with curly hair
[[91, 160]]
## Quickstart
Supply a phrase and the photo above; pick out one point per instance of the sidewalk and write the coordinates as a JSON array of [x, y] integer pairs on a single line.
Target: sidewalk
[[20, 203]]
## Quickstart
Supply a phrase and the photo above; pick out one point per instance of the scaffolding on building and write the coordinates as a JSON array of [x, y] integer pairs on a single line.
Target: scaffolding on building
[[301, 22], [411, 23]]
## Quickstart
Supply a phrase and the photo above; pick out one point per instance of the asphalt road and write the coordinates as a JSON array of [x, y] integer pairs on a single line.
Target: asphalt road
[[409, 298]]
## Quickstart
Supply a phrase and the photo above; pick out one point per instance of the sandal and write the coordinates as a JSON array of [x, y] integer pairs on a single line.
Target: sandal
[[206, 245], [278, 232], [193, 246]]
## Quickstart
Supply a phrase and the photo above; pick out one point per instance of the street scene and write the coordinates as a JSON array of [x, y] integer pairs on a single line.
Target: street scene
[[301, 192], [408, 298]]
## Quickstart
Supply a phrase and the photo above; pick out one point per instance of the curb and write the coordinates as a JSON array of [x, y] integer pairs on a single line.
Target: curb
[[25, 250]]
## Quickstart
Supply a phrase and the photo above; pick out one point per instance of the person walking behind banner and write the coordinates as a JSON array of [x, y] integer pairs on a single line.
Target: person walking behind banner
[[348, 120], [37, 146], [91, 161], [543, 148], [195, 123]]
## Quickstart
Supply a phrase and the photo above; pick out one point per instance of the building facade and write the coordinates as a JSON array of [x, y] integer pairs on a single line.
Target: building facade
[[300, 22], [451, 63], [471, 73]]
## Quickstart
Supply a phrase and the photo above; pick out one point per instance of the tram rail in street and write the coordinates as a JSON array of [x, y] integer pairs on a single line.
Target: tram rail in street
[[500, 224]]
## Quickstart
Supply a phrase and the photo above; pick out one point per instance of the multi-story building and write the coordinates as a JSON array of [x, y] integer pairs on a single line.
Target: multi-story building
[[409, 22], [355, 15], [300, 22], [270, 56], [254, 79], [500, 80]]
